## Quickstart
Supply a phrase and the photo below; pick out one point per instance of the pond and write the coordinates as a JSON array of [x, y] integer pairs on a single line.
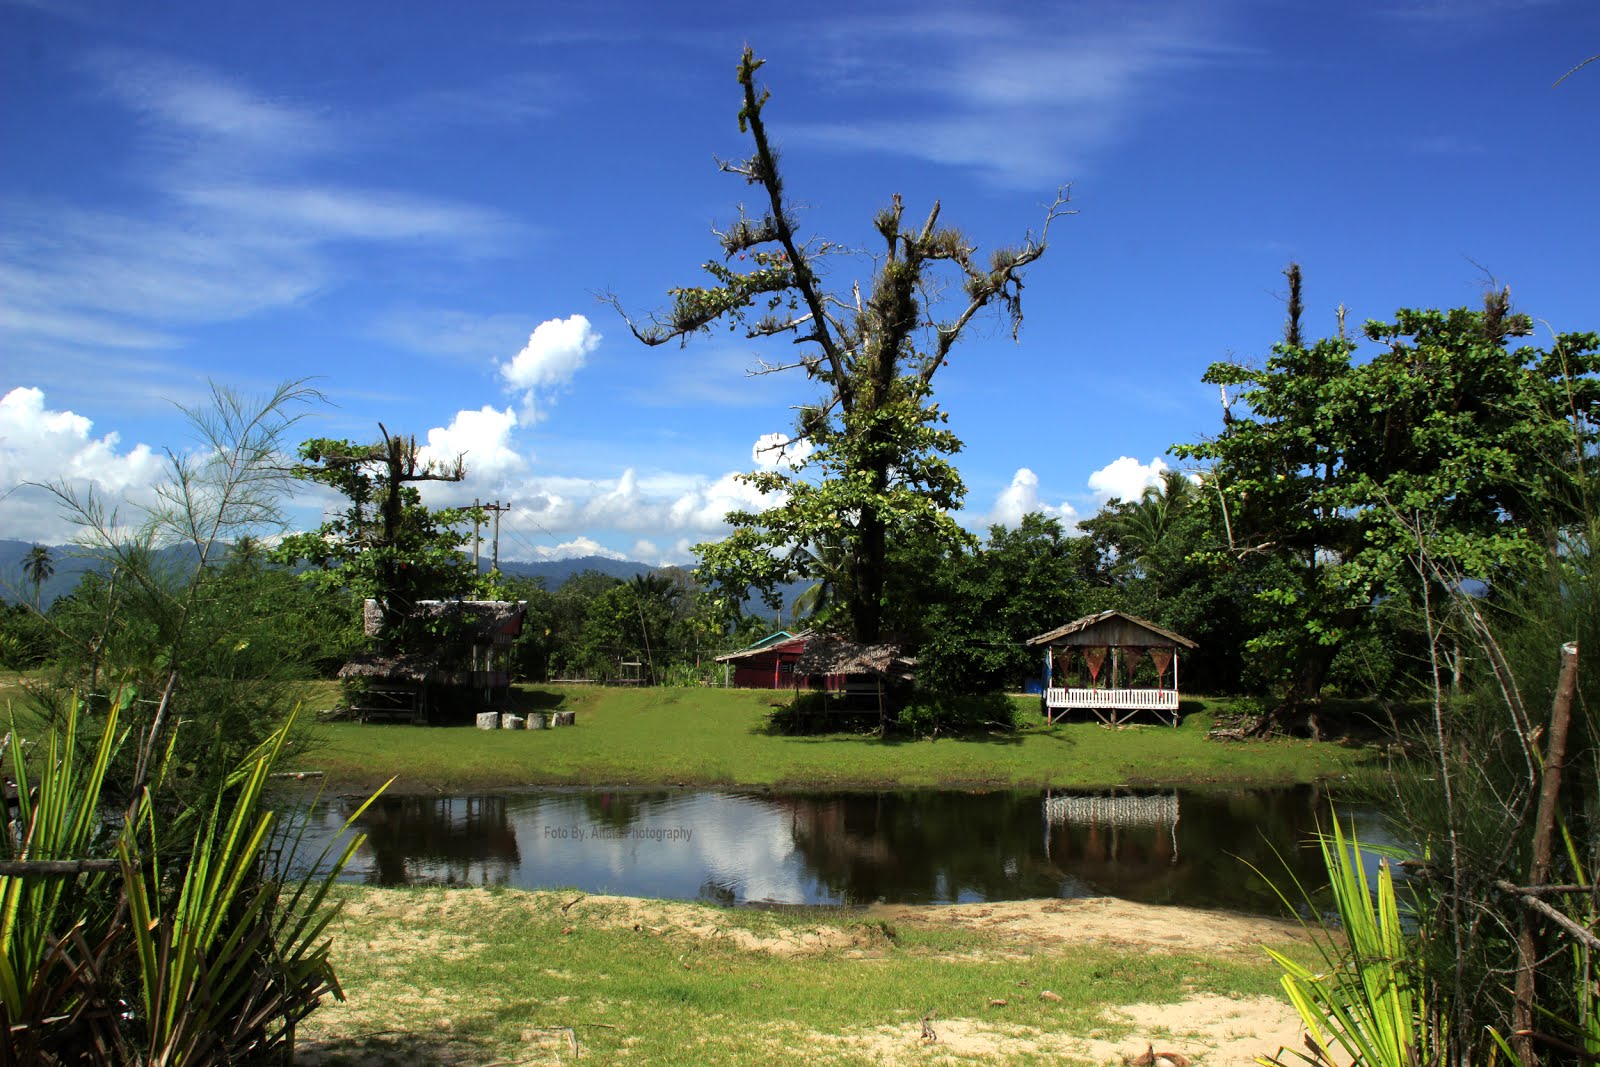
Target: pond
[[1192, 847]]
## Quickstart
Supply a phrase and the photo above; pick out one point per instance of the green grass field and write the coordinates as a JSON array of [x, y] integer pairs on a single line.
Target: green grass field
[[703, 737]]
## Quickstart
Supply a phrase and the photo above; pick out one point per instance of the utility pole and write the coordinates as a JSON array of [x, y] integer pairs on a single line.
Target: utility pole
[[475, 537], [497, 508]]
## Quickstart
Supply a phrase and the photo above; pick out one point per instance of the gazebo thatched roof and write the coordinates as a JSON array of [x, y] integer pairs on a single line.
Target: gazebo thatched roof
[[479, 620], [835, 655], [1111, 628]]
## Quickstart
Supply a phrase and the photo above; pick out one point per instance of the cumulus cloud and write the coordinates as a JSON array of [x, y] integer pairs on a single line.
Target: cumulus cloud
[[38, 444], [555, 352], [774, 450], [634, 509], [483, 439], [1125, 477], [1022, 497]]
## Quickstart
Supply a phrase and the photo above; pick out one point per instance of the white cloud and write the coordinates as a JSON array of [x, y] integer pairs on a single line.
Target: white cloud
[[1021, 99], [1022, 497], [1125, 478], [326, 213], [40, 445], [478, 338], [482, 438], [578, 546], [633, 509], [205, 105], [555, 352], [228, 221], [774, 450]]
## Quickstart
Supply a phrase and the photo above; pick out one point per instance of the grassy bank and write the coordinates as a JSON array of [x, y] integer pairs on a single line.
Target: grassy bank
[[720, 737], [479, 976]]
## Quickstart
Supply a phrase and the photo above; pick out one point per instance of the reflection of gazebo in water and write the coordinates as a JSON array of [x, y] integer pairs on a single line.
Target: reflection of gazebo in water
[[1116, 644], [1119, 831]]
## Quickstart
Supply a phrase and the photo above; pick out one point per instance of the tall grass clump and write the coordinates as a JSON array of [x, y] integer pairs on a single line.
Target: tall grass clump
[[154, 939], [1369, 1003]]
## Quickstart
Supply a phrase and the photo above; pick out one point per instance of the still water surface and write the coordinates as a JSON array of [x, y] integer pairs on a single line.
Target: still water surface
[[923, 847]]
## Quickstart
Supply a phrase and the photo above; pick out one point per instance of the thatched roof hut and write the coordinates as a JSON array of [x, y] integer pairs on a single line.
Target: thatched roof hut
[[480, 622], [473, 651], [838, 656], [1119, 641]]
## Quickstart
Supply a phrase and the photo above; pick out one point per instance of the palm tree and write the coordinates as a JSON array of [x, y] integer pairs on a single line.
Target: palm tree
[[39, 568], [1140, 526], [828, 564]]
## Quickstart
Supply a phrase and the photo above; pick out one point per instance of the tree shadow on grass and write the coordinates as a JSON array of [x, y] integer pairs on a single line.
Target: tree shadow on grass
[[394, 1048], [525, 699]]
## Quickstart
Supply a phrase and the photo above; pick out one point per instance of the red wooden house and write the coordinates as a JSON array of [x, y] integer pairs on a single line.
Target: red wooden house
[[769, 663]]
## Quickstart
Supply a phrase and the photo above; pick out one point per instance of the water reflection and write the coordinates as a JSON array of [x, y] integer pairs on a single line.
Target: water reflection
[[1168, 847]]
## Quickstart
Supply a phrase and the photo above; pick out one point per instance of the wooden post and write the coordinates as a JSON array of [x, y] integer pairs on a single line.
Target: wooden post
[[1524, 992], [1175, 697]]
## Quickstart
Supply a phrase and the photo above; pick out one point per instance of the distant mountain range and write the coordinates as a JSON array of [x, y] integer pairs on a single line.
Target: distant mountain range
[[555, 572], [71, 564]]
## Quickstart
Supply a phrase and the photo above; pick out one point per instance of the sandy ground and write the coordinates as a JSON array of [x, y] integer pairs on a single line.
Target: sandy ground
[[1208, 1030], [1205, 1030]]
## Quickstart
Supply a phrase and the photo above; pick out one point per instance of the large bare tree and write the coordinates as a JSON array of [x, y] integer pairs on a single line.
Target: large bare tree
[[868, 460]]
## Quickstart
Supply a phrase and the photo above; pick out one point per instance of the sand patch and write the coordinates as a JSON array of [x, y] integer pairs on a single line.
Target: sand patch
[[710, 924], [1210, 1030], [1147, 927]]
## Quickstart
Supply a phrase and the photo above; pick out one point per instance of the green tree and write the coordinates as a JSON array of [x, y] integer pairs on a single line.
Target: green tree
[[575, 651], [1020, 583], [1335, 460], [878, 464], [826, 566], [387, 545], [161, 616], [1181, 578]]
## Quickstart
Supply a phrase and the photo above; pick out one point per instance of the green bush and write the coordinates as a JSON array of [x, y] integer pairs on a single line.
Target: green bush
[[929, 713]]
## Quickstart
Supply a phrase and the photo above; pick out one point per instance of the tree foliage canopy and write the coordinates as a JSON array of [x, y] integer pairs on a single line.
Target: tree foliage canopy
[[387, 544], [1336, 463]]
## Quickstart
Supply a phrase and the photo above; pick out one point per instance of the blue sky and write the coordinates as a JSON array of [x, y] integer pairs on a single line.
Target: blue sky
[[417, 204]]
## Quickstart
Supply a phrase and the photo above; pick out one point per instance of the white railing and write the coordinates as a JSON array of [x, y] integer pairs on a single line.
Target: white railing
[[1112, 699]]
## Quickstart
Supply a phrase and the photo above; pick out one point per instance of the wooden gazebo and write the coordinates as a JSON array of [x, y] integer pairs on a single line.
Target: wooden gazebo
[[1111, 645]]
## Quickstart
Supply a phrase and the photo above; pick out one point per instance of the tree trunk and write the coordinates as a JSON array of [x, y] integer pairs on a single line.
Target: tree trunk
[[866, 594]]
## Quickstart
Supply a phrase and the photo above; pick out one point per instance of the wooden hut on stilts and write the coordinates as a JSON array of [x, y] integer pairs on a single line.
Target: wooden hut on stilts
[[1110, 646]]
